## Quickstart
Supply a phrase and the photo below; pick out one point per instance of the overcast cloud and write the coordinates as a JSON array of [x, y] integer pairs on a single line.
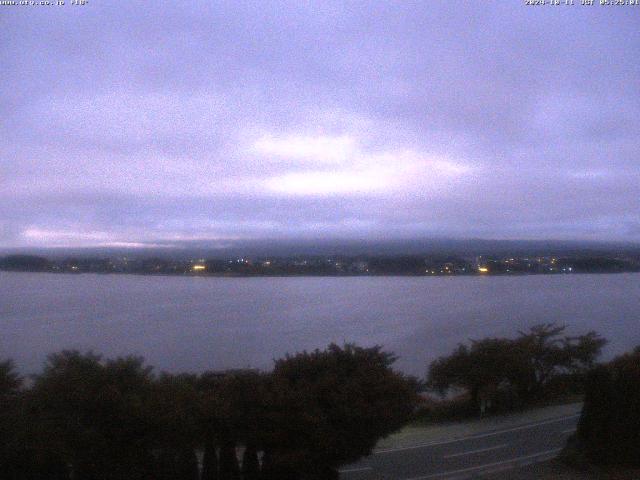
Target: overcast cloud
[[128, 124]]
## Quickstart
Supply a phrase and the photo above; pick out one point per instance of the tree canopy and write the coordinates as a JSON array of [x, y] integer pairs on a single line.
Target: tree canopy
[[86, 418], [522, 367], [609, 428], [337, 404]]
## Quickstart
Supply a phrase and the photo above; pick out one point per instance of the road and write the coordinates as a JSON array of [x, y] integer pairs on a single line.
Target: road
[[469, 456]]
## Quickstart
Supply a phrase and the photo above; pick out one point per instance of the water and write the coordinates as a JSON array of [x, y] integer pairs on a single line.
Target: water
[[190, 323]]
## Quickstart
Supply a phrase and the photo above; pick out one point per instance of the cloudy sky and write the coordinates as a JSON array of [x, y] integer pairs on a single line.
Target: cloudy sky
[[129, 124]]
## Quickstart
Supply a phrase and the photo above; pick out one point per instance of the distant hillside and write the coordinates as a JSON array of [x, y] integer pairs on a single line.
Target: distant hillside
[[292, 247]]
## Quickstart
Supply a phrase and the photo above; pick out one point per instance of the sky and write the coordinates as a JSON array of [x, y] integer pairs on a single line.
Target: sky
[[159, 123]]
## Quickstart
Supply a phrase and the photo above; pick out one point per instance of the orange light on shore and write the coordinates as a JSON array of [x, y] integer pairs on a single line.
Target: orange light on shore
[[483, 269], [198, 268]]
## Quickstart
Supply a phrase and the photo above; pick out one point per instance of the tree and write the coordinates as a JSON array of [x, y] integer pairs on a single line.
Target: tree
[[328, 408], [10, 381], [11, 461], [174, 409], [210, 463], [250, 464], [93, 415], [583, 351], [594, 427], [232, 406], [480, 369], [544, 352], [187, 464], [229, 469], [549, 355], [93, 418], [522, 367], [609, 427]]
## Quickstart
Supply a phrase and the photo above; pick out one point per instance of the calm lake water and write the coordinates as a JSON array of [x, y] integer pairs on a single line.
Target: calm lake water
[[187, 323]]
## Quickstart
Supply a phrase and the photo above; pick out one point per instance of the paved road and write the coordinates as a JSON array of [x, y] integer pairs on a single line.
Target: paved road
[[467, 457]]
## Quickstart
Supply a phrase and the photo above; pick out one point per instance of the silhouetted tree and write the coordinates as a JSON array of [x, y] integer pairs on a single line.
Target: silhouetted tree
[[523, 366], [609, 428], [10, 381], [187, 464], [12, 455], [330, 407], [167, 465], [229, 469], [89, 418], [174, 408], [548, 355], [483, 367], [210, 463], [250, 464], [93, 415], [232, 414], [596, 419]]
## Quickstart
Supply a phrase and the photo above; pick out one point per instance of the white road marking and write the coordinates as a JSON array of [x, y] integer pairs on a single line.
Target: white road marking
[[570, 430], [480, 450], [516, 460], [350, 470], [473, 437]]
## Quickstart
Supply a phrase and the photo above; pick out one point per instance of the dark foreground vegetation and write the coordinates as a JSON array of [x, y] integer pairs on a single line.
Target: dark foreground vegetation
[[541, 366], [85, 418], [88, 418], [609, 429], [500, 374]]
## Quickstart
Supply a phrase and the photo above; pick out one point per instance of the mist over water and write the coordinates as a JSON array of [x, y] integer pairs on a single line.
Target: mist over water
[[195, 324]]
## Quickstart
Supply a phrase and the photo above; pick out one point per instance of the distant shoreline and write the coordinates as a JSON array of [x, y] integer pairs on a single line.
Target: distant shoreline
[[425, 265], [319, 275]]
